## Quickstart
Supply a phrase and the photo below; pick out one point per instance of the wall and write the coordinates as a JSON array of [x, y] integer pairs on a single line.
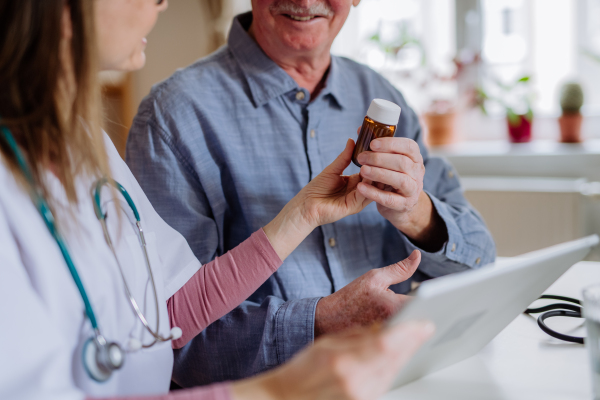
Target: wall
[[185, 32], [182, 35]]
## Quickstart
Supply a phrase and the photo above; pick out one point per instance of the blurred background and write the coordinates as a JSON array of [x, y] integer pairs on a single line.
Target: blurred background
[[507, 90]]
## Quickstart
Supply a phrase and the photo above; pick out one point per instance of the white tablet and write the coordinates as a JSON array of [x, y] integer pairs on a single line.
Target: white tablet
[[470, 308]]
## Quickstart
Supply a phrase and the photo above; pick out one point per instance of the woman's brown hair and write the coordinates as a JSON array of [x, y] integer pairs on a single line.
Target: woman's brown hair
[[50, 96]]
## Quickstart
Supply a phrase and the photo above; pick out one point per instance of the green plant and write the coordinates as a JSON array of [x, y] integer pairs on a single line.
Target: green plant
[[591, 55], [394, 46], [571, 98], [514, 97]]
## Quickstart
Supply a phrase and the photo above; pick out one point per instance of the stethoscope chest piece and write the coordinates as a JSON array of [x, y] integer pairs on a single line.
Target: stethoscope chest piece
[[100, 358]]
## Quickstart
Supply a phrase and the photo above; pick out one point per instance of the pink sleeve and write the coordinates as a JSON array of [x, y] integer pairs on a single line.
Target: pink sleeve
[[220, 391], [221, 285]]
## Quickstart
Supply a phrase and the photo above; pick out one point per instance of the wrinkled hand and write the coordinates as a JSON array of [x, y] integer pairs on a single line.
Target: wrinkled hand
[[356, 365], [397, 166], [332, 196], [365, 300]]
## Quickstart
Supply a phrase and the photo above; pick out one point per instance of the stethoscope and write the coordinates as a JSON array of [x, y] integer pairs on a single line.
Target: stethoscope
[[573, 310], [100, 357]]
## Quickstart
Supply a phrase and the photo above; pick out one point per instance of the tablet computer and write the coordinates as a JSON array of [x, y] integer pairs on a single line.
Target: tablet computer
[[470, 308]]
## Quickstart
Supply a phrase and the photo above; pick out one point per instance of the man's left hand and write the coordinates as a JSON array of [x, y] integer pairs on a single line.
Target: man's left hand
[[395, 166]]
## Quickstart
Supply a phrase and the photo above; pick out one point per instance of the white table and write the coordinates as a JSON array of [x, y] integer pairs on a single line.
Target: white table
[[522, 362]]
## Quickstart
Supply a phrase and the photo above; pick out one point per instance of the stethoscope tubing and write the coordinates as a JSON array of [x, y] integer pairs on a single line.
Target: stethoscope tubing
[[48, 219], [558, 310]]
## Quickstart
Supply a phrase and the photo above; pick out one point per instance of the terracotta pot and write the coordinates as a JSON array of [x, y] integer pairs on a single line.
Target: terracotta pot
[[440, 128], [521, 132], [570, 128]]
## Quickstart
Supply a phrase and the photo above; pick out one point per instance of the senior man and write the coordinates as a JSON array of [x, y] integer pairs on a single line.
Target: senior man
[[224, 144]]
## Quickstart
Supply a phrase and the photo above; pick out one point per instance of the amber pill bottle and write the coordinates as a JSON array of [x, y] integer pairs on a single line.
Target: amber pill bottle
[[381, 120]]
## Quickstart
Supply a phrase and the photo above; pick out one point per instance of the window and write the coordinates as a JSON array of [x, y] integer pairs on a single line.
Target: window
[[410, 42], [413, 43]]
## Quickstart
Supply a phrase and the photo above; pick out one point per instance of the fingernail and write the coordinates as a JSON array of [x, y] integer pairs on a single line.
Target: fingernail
[[413, 256], [375, 145]]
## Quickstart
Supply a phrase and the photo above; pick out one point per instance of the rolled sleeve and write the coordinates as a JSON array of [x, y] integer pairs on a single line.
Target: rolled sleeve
[[458, 253], [470, 244], [295, 327]]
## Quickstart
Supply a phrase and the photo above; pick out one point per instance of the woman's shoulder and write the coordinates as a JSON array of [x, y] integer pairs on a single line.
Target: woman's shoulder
[[118, 167], [8, 182]]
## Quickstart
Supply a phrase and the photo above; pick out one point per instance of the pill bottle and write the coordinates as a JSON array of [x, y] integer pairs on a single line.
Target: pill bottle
[[381, 120]]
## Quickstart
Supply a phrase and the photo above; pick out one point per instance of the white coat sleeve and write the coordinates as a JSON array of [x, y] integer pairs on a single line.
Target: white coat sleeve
[[34, 360]]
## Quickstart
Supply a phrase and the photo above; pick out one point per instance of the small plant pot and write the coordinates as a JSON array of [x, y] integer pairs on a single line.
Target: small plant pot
[[570, 128], [519, 132], [440, 128]]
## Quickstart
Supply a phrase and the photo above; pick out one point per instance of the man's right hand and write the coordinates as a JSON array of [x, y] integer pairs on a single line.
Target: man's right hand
[[366, 299]]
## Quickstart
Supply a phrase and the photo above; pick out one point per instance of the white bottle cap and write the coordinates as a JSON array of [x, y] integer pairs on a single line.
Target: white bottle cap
[[383, 111]]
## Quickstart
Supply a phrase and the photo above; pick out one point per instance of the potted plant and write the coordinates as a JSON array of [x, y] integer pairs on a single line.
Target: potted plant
[[515, 98], [440, 121], [571, 100], [408, 52]]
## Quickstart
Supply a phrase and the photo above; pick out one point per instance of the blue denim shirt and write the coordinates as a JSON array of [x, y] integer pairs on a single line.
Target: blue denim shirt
[[222, 145]]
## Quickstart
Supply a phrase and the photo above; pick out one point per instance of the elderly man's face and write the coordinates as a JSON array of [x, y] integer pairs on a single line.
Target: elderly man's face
[[302, 25]]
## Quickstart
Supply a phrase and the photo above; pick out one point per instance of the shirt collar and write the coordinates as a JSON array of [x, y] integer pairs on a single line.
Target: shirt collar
[[334, 84], [265, 78]]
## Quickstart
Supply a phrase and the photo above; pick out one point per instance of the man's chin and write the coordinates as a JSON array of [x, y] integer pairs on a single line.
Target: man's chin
[[302, 39]]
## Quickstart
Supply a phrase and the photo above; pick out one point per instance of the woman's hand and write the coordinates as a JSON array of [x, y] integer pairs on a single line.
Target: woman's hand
[[329, 197], [356, 365], [332, 196]]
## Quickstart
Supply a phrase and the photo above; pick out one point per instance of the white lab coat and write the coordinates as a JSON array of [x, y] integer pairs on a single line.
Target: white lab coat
[[43, 327]]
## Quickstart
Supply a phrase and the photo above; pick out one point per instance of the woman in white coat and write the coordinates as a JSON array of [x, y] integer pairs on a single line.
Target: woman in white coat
[[95, 288]]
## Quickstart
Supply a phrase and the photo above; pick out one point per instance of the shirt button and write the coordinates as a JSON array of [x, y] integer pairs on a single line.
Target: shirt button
[[312, 133], [478, 261], [450, 174], [453, 247], [300, 95], [332, 242]]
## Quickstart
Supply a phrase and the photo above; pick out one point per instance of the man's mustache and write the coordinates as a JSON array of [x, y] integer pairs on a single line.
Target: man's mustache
[[321, 8]]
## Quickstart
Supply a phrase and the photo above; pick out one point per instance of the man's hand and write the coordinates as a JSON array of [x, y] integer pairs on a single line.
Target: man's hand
[[395, 165], [365, 300]]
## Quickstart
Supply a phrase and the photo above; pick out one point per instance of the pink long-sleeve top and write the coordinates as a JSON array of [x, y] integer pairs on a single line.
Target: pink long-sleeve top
[[217, 288]]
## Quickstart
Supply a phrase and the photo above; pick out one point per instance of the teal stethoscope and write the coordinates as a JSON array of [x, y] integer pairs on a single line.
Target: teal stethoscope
[[100, 357]]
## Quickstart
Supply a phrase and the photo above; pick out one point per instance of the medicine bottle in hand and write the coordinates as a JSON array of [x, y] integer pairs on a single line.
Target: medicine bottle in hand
[[381, 120]]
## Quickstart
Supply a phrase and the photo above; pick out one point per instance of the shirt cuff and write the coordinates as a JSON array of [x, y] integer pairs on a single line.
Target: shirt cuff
[[295, 327], [456, 254]]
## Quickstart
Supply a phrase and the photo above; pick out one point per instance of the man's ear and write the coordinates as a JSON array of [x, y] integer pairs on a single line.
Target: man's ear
[[355, 2]]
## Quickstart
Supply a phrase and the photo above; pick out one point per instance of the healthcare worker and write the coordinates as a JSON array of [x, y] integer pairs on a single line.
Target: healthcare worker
[[95, 288]]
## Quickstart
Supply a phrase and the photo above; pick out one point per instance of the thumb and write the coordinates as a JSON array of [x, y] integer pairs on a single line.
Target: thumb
[[342, 161], [402, 270]]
